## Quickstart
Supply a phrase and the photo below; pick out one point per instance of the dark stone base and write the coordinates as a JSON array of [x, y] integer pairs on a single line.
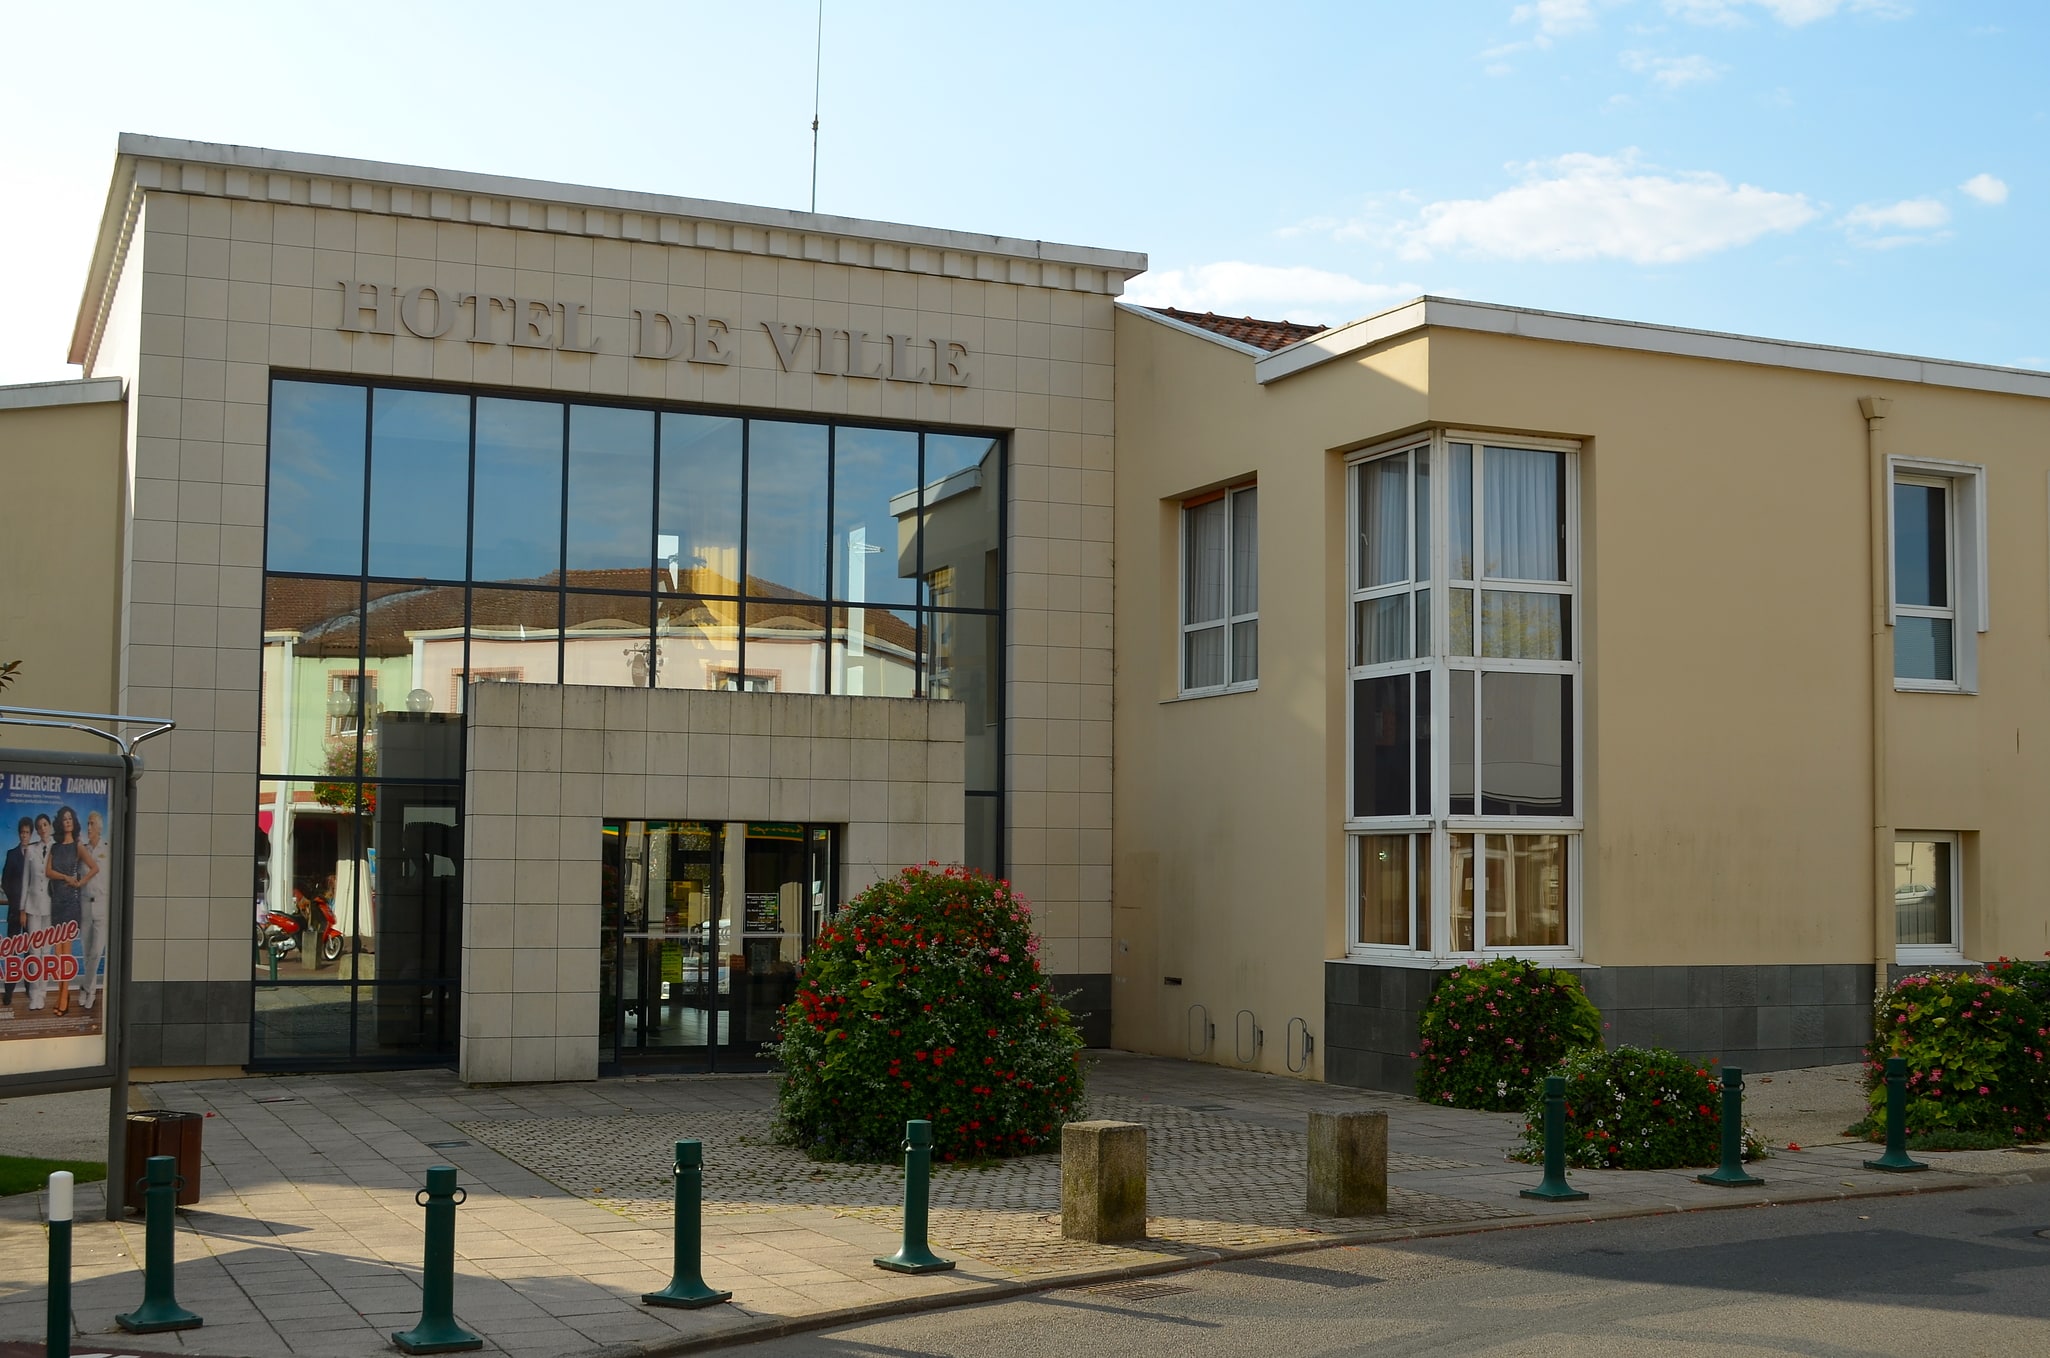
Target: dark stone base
[[1087, 997], [188, 1023], [1757, 1018]]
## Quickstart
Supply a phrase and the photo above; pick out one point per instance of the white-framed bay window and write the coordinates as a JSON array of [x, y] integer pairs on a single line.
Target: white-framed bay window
[[1464, 697], [1220, 627], [1936, 572]]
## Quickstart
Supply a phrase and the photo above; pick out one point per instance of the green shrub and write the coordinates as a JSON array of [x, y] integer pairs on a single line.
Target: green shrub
[[1634, 1108], [1491, 1029], [2031, 978], [924, 999], [1974, 1046]]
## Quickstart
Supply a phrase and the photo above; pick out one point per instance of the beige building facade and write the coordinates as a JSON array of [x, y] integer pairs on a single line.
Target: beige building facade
[[1709, 666], [568, 597]]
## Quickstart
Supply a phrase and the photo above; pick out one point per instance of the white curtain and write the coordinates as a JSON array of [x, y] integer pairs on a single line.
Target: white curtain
[[1384, 521], [1204, 540], [1521, 510]]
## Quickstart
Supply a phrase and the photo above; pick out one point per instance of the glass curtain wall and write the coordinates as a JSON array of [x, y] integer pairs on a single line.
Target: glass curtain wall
[[421, 540], [1462, 795]]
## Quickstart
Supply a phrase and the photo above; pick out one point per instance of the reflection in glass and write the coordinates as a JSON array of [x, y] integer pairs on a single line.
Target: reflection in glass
[[515, 635], [1459, 492], [699, 641], [1380, 629], [875, 503], [1525, 513], [312, 637], [697, 528], [1526, 891], [1923, 649], [608, 639], [1460, 754], [1462, 893], [1527, 723], [611, 485], [1203, 658], [962, 534], [1383, 521], [1461, 642], [316, 478], [518, 532], [1421, 854], [295, 1024], [1384, 888], [961, 665], [1924, 914], [875, 652], [1380, 739], [786, 647], [1516, 625], [419, 483], [1423, 622], [786, 509], [1921, 550], [982, 835]]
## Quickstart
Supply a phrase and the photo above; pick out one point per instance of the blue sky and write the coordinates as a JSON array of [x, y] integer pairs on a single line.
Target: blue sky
[[1858, 172]]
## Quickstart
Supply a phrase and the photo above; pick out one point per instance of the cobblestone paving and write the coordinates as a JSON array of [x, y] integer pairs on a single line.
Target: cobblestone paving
[[1214, 1181]]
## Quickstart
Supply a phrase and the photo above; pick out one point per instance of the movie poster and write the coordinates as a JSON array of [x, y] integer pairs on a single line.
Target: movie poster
[[58, 883]]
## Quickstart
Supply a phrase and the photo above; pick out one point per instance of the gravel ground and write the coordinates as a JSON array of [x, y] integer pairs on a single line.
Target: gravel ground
[[1808, 1107]]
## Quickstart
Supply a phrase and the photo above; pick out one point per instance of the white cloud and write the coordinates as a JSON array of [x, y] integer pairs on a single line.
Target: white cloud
[[1910, 214], [1584, 206], [1792, 13], [1887, 226], [1986, 189], [1672, 72], [1555, 18], [1236, 288]]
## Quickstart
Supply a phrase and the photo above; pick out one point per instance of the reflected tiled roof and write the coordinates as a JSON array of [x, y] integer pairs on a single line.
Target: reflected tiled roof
[[324, 612], [1244, 329]]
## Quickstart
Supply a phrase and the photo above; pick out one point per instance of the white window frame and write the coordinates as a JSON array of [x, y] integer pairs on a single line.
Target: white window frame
[[1938, 954], [1230, 621], [1965, 498], [1440, 825]]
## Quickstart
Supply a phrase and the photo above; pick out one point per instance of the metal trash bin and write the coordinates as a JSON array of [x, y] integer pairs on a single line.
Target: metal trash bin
[[157, 1131]]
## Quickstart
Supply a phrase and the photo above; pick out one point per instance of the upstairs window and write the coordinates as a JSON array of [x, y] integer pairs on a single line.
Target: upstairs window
[[1220, 591], [1938, 574]]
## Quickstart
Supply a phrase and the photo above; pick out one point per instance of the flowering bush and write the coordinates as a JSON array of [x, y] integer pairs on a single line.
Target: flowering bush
[[1634, 1108], [1974, 1047], [924, 999], [1491, 1028], [2031, 978]]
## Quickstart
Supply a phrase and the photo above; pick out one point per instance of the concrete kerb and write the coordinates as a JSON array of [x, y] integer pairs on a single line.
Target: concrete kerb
[[783, 1327]]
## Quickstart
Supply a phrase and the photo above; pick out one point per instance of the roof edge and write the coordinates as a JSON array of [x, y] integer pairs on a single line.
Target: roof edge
[[1678, 341], [69, 391], [1148, 313]]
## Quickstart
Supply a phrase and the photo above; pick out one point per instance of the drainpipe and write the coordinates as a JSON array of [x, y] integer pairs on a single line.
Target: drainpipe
[[1874, 409]]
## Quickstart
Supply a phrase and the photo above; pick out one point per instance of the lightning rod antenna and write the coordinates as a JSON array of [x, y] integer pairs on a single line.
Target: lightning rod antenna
[[818, 62]]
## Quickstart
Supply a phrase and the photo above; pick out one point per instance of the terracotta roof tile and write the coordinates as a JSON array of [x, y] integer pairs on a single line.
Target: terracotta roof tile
[[1244, 329]]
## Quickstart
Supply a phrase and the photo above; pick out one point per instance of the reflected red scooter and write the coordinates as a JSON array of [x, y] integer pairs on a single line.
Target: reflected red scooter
[[284, 934]]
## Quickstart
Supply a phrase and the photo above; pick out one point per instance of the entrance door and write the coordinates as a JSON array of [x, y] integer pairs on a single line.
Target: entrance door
[[703, 924]]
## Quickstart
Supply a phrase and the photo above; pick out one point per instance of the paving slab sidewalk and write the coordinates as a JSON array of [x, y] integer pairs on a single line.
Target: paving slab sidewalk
[[307, 1239]]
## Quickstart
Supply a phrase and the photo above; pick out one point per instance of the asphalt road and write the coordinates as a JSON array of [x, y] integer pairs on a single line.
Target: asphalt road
[[1947, 1275]]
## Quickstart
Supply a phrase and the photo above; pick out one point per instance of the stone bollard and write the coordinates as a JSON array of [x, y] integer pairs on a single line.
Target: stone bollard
[[1103, 1181], [1348, 1164]]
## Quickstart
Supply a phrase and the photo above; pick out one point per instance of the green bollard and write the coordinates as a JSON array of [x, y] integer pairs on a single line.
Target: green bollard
[[437, 1331], [1554, 1187], [1895, 1160], [57, 1326], [913, 1256], [160, 1309], [687, 1288], [1730, 1173]]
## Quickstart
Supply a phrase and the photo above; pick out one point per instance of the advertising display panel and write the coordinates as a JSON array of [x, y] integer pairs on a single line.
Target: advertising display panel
[[60, 949]]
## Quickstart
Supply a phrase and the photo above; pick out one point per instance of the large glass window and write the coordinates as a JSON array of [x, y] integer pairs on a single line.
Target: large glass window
[[1463, 800], [1927, 877], [421, 541]]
